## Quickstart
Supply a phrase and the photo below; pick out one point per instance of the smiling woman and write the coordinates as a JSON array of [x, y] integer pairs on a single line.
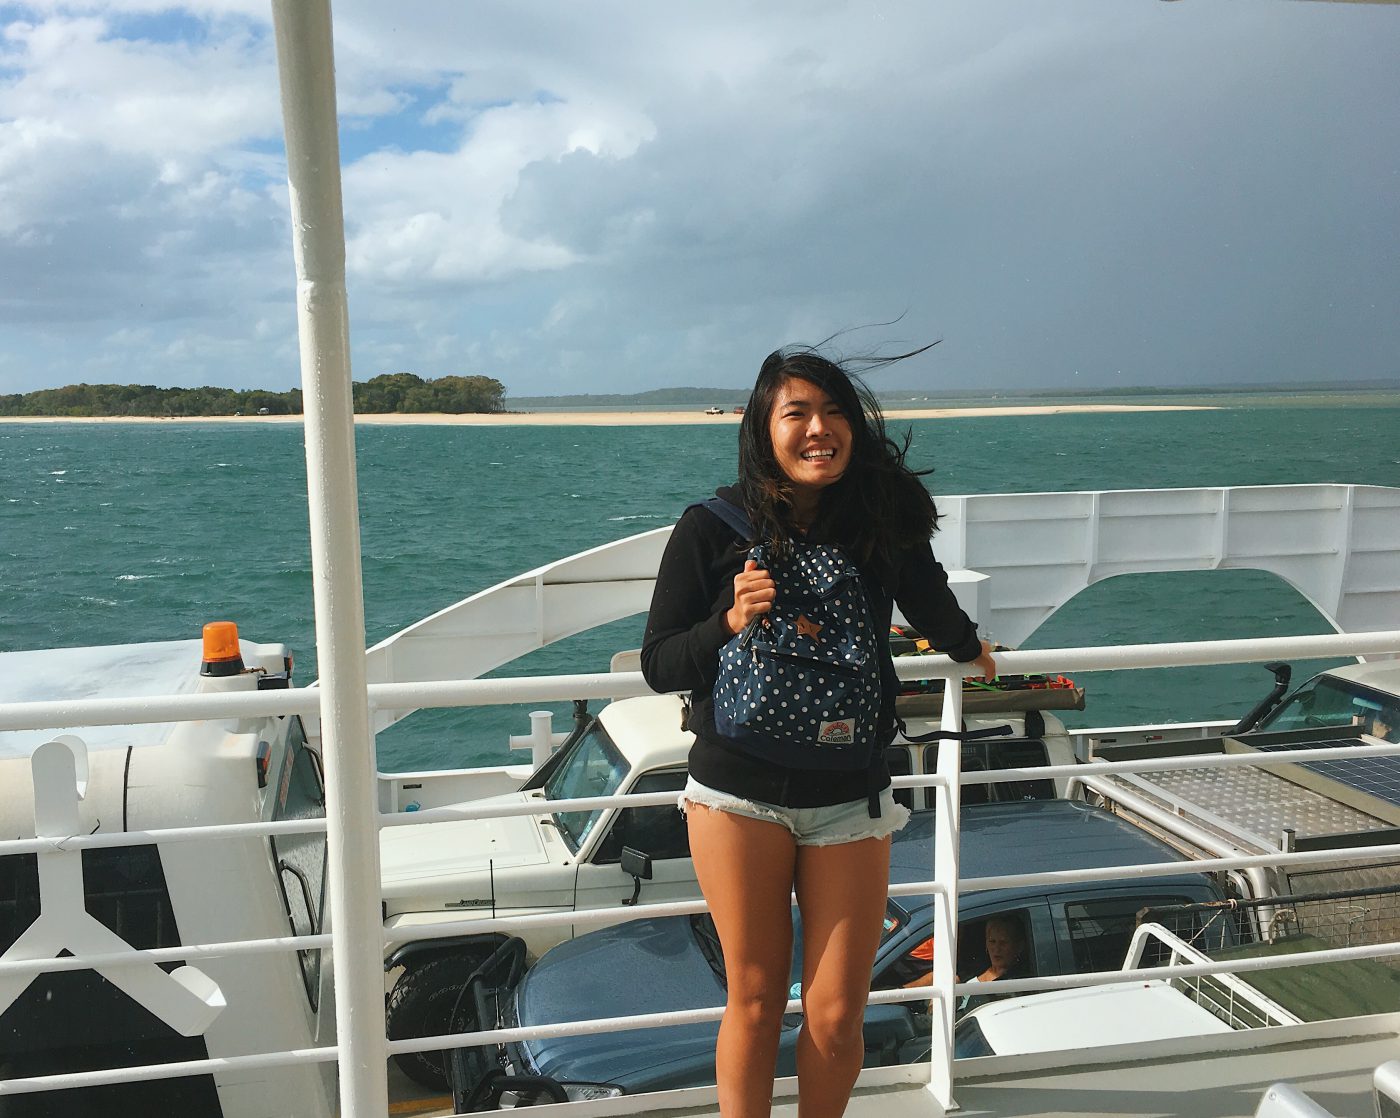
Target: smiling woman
[[789, 787], [811, 439]]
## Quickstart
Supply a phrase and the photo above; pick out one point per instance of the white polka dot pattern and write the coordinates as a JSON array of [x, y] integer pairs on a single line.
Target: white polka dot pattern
[[800, 686]]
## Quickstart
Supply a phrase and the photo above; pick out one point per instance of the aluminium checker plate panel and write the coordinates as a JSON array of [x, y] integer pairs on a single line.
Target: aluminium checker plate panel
[[1253, 800], [1369, 784]]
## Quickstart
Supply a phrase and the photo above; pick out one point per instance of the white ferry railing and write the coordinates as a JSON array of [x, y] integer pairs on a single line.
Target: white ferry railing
[[657, 799], [944, 886], [619, 1024], [611, 685], [1240, 1007], [449, 929]]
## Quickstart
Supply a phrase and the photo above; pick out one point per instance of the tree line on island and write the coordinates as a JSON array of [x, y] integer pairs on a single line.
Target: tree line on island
[[389, 392], [410, 393]]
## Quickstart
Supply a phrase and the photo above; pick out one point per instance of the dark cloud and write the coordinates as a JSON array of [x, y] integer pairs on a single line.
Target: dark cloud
[[615, 197]]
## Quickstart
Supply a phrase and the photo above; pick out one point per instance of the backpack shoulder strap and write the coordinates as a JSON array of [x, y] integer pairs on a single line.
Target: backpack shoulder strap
[[732, 515]]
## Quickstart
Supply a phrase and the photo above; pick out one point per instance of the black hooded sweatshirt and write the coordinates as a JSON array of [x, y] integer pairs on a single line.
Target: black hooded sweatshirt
[[686, 630]]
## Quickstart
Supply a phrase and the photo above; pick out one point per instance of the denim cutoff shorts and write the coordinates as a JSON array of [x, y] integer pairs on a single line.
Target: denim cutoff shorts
[[810, 826]]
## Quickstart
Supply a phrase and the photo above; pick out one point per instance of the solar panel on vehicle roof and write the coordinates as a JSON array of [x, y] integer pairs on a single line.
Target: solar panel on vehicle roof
[[1376, 776]]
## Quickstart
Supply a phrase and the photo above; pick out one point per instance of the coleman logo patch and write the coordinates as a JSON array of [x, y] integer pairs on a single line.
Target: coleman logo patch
[[837, 732]]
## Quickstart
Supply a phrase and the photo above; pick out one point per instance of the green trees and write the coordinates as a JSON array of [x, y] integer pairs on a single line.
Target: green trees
[[405, 392], [385, 393], [390, 392]]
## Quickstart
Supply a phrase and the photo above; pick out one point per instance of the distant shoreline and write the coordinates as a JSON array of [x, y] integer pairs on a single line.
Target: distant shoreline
[[673, 418]]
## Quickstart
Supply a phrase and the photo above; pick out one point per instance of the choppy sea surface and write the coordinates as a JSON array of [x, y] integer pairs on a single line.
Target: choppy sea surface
[[114, 533]]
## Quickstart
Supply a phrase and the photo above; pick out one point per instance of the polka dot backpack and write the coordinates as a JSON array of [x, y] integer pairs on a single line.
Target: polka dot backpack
[[800, 686]]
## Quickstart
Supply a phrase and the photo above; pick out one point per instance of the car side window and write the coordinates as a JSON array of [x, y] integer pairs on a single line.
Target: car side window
[[1100, 930], [659, 831], [1000, 753], [1016, 951]]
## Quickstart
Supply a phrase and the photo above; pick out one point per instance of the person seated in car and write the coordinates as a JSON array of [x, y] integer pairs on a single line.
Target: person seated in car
[[1375, 720], [1382, 727], [1005, 944]]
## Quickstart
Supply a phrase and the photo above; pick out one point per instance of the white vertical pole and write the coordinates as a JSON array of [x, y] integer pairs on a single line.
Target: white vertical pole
[[307, 69], [945, 905]]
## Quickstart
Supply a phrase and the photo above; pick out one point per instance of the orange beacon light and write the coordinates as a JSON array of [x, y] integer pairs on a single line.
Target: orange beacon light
[[222, 655]]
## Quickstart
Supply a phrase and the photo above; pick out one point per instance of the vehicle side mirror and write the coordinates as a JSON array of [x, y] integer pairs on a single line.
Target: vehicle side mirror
[[637, 865]]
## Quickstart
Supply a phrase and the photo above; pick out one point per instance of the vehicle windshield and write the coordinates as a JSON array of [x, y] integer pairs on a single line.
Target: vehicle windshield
[[594, 767], [1328, 701]]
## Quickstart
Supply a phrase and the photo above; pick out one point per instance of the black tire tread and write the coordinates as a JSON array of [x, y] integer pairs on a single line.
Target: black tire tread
[[420, 1004]]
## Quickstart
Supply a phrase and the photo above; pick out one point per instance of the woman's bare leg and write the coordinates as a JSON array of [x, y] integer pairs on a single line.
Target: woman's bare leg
[[841, 893], [745, 867]]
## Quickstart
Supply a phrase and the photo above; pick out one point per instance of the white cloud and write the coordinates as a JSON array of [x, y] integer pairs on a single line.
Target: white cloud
[[617, 195], [432, 217]]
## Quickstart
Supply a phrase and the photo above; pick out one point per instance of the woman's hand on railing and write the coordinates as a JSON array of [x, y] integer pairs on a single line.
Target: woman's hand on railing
[[986, 665]]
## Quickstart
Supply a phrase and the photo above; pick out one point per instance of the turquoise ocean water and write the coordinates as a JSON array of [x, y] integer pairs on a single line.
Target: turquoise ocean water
[[115, 533]]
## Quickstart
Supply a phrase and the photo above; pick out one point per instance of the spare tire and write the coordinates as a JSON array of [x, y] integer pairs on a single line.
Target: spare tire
[[421, 1004]]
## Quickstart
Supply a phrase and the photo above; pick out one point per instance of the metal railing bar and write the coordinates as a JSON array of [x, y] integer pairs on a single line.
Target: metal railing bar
[[619, 1024], [617, 914], [1167, 869], [1187, 970], [1209, 724], [448, 930], [108, 839], [654, 799], [146, 1072], [143, 1072], [188, 953], [923, 993], [1175, 764], [230, 948], [71, 713]]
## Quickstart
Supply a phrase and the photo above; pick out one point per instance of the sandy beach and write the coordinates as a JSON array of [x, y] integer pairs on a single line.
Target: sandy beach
[[603, 418]]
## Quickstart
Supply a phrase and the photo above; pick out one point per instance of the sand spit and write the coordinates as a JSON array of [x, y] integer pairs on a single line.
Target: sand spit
[[605, 419]]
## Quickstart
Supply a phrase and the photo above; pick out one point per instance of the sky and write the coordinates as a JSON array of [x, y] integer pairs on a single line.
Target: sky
[[614, 197]]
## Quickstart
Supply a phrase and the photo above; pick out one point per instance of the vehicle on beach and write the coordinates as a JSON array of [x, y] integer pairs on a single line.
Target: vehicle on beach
[[714, 411]]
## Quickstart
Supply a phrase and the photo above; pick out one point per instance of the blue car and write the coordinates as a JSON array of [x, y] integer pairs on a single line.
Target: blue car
[[675, 963]]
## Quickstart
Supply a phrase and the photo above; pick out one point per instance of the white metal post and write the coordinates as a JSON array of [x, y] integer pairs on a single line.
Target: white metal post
[[306, 66], [541, 739], [946, 838]]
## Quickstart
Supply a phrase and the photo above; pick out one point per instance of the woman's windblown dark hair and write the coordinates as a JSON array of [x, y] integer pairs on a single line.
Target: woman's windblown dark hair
[[878, 508]]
